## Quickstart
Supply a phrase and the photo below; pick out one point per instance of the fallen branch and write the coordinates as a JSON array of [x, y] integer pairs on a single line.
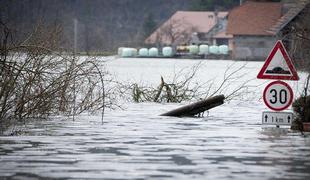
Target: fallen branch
[[197, 107]]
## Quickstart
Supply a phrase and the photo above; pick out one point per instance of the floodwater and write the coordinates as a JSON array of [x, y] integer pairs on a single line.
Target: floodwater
[[229, 142]]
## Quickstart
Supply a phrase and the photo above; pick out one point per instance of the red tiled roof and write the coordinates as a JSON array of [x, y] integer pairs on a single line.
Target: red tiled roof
[[186, 22], [253, 18]]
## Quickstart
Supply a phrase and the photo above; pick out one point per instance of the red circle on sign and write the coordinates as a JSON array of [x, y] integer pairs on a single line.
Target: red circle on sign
[[268, 102]]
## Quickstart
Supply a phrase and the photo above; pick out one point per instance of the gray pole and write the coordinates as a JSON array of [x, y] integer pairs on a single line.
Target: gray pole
[[75, 48], [75, 34]]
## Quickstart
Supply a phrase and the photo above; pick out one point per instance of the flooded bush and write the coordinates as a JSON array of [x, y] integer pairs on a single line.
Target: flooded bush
[[184, 86], [174, 92], [302, 107], [37, 81], [181, 88]]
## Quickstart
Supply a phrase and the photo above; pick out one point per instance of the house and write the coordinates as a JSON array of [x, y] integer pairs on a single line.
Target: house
[[250, 30], [191, 27], [256, 26]]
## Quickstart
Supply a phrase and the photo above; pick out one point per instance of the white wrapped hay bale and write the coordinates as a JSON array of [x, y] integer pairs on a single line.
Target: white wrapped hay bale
[[203, 49], [153, 52], [129, 52], [143, 52], [134, 52], [126, 52], [120, 51], [193, 49], [214, 49], [223, 49], [167, 51]]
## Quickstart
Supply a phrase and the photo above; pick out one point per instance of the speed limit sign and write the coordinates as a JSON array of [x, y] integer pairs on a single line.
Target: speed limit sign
[[278, 95]]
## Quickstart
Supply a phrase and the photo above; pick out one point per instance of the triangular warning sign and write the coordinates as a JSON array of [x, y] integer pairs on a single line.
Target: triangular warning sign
[[278, 65]]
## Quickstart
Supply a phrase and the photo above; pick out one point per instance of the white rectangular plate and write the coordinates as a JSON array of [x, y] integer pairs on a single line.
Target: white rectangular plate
[[277, 118]]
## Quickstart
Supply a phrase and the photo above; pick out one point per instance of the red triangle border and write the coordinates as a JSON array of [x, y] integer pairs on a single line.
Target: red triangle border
[[293, 77]]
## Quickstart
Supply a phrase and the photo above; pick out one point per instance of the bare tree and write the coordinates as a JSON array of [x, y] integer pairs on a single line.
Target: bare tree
[[175, 32], [296, 36]]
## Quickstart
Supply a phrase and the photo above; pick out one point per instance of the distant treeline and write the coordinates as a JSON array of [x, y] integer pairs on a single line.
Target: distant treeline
[[103, 25]]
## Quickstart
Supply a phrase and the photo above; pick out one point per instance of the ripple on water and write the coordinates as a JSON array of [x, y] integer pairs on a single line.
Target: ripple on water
[[144, 146]]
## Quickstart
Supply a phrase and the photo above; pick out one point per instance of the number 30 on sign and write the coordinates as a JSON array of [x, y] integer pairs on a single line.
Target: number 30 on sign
[[278, 95]]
